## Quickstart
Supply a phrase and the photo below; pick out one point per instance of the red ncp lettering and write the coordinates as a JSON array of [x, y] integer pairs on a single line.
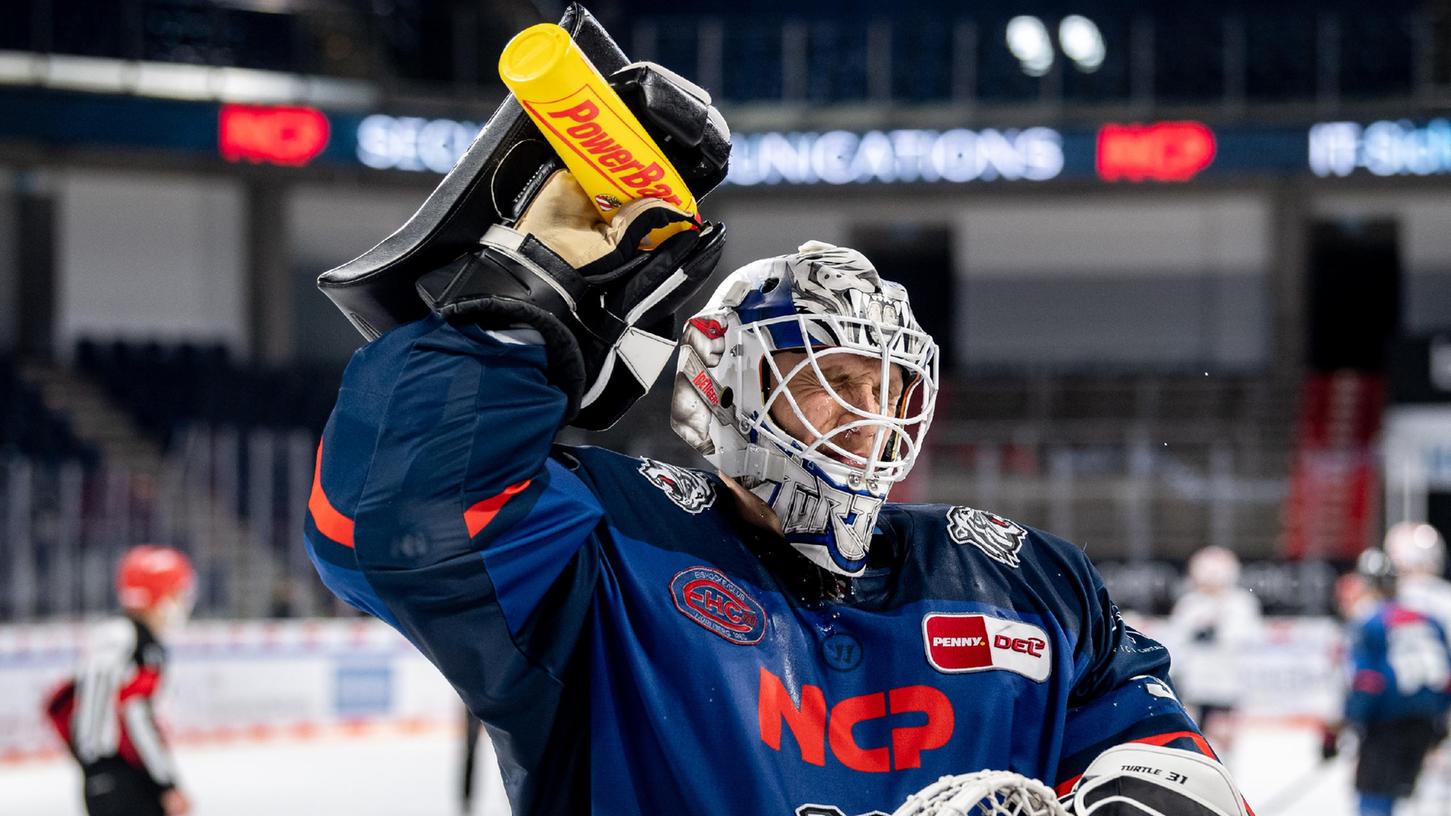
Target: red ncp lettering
[[287, 136], [815, 729]]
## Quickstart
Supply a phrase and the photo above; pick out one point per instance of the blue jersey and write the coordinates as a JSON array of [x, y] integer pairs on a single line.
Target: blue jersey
[[1400, 668], [634, 646]]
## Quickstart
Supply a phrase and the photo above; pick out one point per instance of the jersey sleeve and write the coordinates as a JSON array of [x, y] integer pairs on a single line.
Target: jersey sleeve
[[437, 507], [146, 740], [1368, 672], [1121, 691]]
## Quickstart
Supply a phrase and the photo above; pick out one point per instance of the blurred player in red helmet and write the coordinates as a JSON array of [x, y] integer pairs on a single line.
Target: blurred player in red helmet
[[105, 713]]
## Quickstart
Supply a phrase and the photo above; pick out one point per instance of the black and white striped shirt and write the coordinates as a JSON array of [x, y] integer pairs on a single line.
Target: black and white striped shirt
[[106, 711]]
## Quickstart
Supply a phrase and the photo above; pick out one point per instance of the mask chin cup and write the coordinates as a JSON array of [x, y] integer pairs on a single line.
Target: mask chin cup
[[827, 521]]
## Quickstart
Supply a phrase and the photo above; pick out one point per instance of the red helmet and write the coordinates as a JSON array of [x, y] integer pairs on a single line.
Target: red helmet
[[149, 574]]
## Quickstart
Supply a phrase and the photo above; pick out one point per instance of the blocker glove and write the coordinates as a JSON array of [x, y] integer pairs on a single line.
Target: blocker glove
[[604, 306]]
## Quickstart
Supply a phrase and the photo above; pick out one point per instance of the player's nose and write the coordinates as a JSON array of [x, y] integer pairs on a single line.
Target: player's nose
[[863, 396]]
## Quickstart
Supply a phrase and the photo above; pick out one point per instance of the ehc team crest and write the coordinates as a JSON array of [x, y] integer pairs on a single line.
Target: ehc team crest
[[712, 600]]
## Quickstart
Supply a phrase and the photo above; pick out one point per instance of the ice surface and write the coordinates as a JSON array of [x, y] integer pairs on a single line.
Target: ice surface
[[381, 775]]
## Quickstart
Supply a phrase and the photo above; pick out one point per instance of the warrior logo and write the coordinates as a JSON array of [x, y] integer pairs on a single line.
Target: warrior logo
[[996, 536], [689, 490]]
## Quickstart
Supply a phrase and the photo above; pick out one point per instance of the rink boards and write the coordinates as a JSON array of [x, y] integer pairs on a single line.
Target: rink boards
[[229, 680], [232, 680]]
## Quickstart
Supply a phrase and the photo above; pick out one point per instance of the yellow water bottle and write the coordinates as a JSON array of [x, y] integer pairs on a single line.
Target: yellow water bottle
[[600, 140]]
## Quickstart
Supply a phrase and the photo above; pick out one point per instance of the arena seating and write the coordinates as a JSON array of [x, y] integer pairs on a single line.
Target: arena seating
[[28, 428], [167, 386], [1117, 461], [1105, 455]]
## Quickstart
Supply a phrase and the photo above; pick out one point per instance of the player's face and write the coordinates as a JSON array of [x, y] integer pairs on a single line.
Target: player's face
[[856, 379]]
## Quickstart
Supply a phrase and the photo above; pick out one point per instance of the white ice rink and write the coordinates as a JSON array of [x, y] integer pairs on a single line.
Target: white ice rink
[[388, 775], [418, 775]]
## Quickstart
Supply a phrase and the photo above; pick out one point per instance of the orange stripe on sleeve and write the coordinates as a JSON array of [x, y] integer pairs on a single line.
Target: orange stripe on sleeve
[[476, 518], [329, 521]]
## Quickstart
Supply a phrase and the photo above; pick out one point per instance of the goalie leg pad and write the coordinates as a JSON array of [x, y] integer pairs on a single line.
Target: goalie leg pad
[[1152, 780]]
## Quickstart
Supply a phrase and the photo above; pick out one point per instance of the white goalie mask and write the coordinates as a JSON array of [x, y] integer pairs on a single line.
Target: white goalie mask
[[732, 402]]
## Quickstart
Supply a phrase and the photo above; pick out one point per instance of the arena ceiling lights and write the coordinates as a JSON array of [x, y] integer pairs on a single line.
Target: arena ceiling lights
[[1028, 39], [1082, 42], [1079, 38]]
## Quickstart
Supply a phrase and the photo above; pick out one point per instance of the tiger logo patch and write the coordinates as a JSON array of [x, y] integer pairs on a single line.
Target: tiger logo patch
[[690, 491], [999, 538]]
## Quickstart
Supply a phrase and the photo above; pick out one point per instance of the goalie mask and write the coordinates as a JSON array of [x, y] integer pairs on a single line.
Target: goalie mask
[[807, 379]]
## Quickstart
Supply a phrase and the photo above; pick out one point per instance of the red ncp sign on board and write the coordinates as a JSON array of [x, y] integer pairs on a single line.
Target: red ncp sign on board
[[288, 136], [1163, 151]]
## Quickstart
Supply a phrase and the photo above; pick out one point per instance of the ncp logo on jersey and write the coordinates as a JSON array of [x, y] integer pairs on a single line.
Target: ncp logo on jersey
[[958, 643]]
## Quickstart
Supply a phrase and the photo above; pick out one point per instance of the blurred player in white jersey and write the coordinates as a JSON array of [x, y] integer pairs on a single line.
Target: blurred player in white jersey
[[1398, 668], [1211, 625], [1418, 553]]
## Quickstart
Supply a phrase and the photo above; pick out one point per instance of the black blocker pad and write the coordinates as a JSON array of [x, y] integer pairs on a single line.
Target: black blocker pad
[[497, 177]]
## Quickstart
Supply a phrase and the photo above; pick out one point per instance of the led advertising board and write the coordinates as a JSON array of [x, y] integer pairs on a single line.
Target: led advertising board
[[412, 143], [897, 156], [1384, 148], [259, 134], [1164, 152]]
